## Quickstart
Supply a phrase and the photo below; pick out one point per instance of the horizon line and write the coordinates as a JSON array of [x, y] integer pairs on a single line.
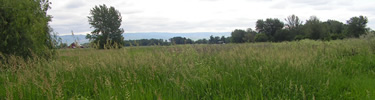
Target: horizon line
[[84, 33]]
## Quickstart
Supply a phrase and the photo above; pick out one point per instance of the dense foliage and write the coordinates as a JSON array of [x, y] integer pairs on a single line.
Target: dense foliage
[[24, 29], [274, 30], [177, 41], [357, 26], [146, 42], [181, 40], [106, 22], [269, 27], [238, 35]]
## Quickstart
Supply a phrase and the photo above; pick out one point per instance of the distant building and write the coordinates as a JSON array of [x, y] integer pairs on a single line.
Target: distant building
[[75, 45]]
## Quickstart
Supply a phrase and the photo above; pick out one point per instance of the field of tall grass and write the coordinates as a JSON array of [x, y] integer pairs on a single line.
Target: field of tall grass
[[306, 69]]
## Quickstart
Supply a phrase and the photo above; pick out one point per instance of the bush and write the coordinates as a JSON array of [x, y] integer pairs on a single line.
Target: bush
[[261, 37], [24, 29]]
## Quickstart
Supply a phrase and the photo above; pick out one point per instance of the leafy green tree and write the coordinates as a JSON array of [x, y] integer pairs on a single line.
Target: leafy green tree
[[212, 40], [284, 35], [238, 35], [357, 26], [335, 29], [215, 40], [146, 42], [223, 39], [201, 41], [335, 26], [189, 41], [261, 37], [269, 27], [293, 29], [106, 23], [250, 35], [315, 29], [181, 40], [24, 29], [228, 39]]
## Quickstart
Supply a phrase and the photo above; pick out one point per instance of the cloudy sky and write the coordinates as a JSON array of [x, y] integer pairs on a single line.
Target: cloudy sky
[[203, 15]]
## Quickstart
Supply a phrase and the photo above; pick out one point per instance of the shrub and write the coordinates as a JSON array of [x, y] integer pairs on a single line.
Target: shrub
[[24, 29]]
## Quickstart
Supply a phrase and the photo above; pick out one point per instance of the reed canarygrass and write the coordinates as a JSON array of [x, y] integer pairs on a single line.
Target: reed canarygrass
[[307, 69]]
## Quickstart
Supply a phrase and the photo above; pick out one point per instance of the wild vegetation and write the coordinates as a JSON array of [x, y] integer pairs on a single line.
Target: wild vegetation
[[275, 30], [274, 61], [306, 69], [24, 28]]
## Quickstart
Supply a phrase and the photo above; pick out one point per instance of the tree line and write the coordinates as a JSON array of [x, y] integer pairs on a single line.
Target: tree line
[[274, 30], [107, 21], [177, 41]]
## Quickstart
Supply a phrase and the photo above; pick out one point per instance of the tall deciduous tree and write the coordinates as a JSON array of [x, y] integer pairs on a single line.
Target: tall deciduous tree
[[335, 29], [238, 36], [107, 22], [293, 22], [293, 29], [250, 35], [315, 29], [261, 37], [357, 26], [335, 26], [284, 35], [269, 27], [24, 29]]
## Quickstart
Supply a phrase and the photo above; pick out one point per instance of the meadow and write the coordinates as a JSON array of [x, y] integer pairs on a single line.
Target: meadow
[[306, 69]]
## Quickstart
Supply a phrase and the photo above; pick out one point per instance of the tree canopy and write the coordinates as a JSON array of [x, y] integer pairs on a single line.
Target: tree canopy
[[181, 40], [24, 28], [294, 29], [315, 29], [274, 30], [238, 35], [336, 29], [106, 23], [269, 27], [357, 26]]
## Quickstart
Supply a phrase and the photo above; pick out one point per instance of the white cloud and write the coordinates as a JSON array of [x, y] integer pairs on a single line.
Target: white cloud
[[203, 15]]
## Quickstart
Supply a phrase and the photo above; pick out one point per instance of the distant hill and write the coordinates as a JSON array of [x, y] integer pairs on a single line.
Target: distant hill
[[70, 39], [155, 35]]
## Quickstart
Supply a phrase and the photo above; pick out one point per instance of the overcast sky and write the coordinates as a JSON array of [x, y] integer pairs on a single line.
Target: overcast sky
[[203, 15]]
